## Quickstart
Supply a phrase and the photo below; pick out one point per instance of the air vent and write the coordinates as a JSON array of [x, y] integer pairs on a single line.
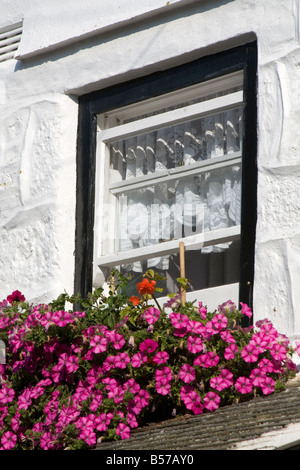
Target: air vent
[[9, 41]]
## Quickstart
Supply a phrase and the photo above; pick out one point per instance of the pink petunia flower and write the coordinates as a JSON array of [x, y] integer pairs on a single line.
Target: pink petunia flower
[[268, 329], [135, 405], [218, 383], [72, 364], [85, 423], [227, 307], [51, 410], [194, 344], [66, 416], [227, 376], [46, 319], [132, 386], [259, 341], [226, 336], [259, 323], [24, 400], [93, 375], [179, 320], [185, 390], [197, 408], [192, 400], [257, 376], [270, 341], [211, 401], [230, 351], [266, 365], [195, 327], [37, 391], [174, 302], [268, 385], [138, 359], [151, 315], [143, 396], [117, 340], [219, 322], [210, 330], [249, 353], [15, 422], [243, 385], [202, 311], [278, 352], [102, 422], [6, 395], [47, 441], [44, 382], [291, 365], [209, 359], [97, 401], [148, 346], [98, 344], [122, 360], [187, 373], [109, 363], [131, 420], [8, 440], [246, 310], [62, 318], [15, 296], [88, 436], [283, 339], [4, 322], [123, 431], [161, 357], [117, 394], [163, 386], [164, 372], [110, 383], [180, 332]]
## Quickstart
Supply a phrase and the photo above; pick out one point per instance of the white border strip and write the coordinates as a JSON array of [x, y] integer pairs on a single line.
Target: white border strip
[[281, 439]]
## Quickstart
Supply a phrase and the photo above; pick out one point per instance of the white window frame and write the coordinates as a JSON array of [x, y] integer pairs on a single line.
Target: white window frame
[[104, 256]]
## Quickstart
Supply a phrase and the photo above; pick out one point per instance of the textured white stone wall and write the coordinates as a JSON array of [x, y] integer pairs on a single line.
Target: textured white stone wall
[[69, 48], [37, 195]]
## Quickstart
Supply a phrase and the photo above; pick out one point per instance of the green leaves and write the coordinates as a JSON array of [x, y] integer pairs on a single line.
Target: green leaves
[[184, 283], [152, 275]]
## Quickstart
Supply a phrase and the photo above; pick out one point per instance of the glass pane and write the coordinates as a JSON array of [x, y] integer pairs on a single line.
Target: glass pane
[[177, 145], [178, 208]]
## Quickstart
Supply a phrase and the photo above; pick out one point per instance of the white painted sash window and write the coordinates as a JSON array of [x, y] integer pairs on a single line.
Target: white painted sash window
[[169, 170]]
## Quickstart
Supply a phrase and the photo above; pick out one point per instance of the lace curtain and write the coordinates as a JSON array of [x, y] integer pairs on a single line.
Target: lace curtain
[[183, 206]]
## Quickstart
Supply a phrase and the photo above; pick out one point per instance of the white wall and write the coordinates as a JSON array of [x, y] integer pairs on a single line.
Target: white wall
[[72, 47]]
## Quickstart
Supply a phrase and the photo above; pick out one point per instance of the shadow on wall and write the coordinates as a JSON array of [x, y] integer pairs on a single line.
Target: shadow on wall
[[81, 44]]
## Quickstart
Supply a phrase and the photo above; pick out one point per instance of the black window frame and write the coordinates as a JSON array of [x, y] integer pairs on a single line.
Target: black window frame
[[94, 103]]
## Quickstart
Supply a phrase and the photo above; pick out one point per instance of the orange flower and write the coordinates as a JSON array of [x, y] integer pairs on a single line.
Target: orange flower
[[146, 287], [134, 299]]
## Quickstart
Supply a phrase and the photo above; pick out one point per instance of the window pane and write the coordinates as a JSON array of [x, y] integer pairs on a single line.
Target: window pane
[[179, 207], [175, 146]]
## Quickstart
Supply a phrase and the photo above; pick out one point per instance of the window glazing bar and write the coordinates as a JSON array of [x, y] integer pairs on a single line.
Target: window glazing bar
[[176, 116], [175, 173], [193, 242]]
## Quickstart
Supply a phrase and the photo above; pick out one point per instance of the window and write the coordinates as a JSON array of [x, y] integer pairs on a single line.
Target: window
[[169, 156]]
